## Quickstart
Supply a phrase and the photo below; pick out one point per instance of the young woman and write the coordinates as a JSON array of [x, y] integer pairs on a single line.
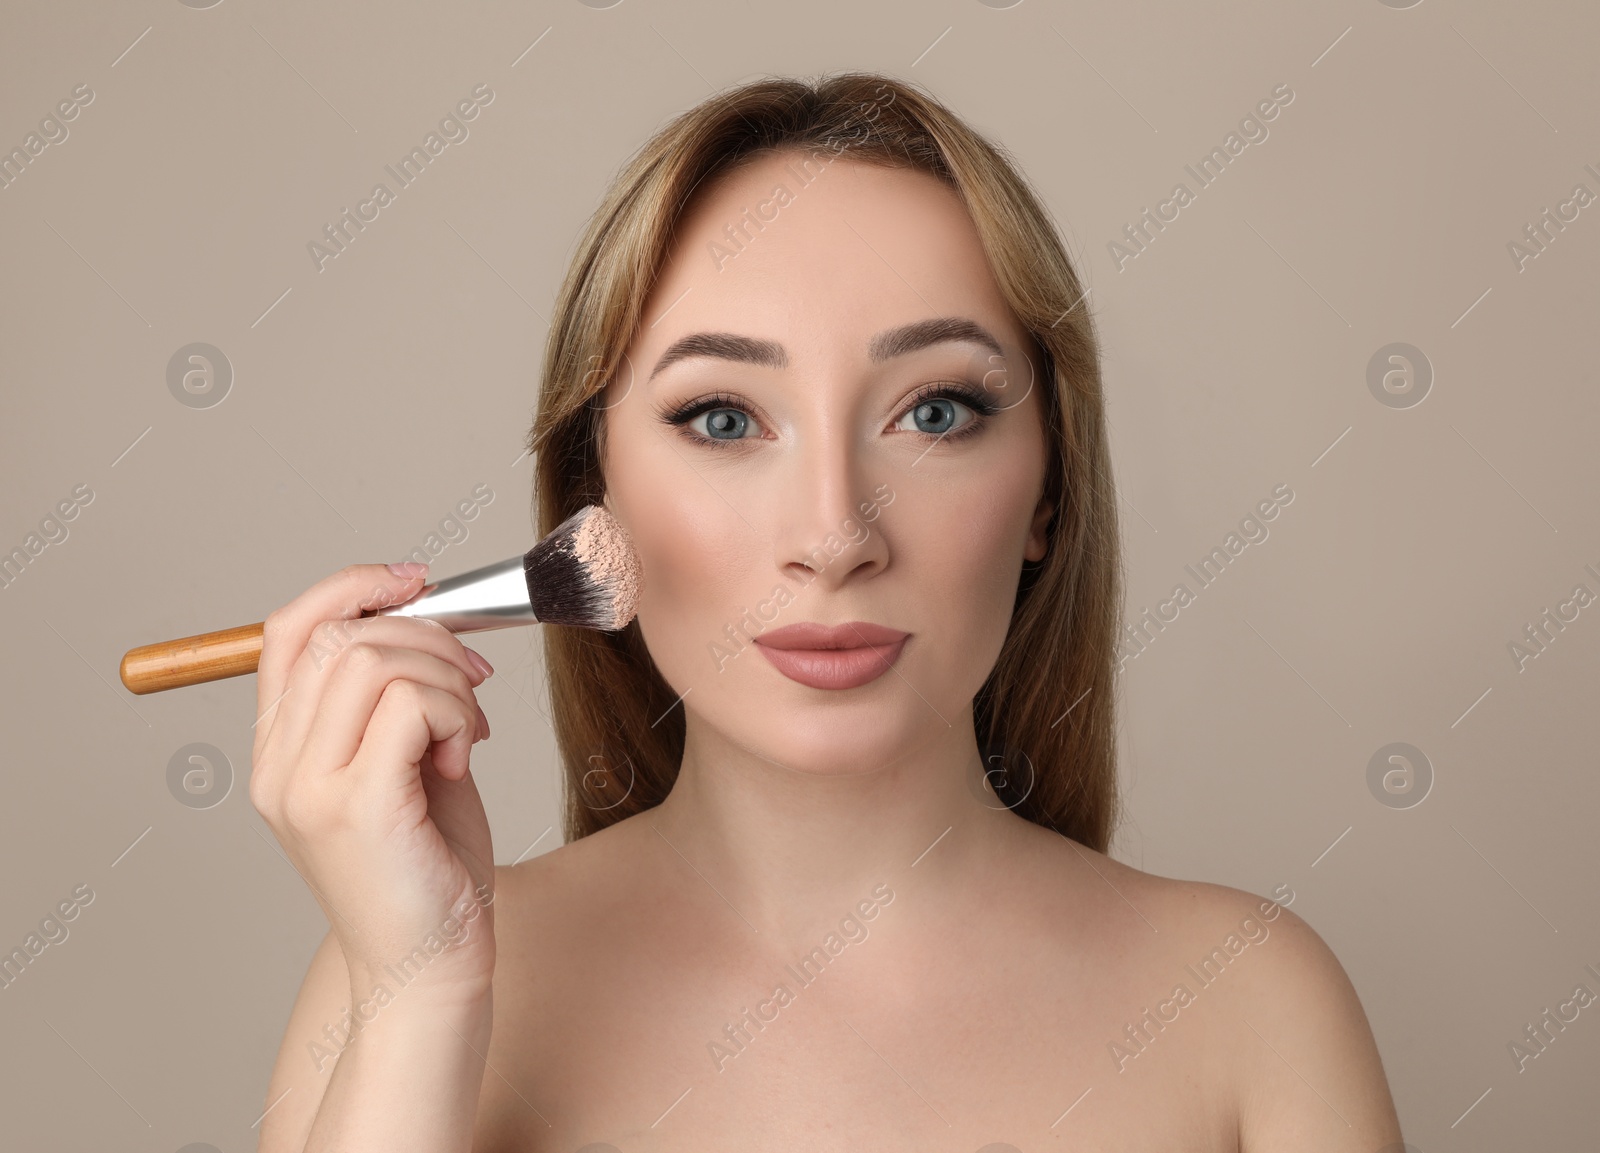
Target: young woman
[[839, 799]]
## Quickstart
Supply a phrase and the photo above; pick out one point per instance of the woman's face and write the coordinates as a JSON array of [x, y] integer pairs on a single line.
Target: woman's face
[[766, 448]]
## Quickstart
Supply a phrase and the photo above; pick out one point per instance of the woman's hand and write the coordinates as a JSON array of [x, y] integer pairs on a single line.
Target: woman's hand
[[361, 768]]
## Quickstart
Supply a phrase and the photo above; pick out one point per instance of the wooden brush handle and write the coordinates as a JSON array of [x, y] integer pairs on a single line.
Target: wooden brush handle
[[192, 660]]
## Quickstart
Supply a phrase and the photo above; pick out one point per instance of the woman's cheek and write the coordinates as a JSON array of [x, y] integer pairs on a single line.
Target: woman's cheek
[[962, 551], [968, 536], [692, 559]]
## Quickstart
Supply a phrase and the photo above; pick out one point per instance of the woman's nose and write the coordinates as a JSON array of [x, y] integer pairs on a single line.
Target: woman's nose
[[828, 521]]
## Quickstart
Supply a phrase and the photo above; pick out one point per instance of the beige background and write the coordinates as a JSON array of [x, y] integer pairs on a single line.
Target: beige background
[[369, 398]]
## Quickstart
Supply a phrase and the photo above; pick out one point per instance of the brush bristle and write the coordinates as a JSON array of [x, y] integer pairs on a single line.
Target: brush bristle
[[585, 573]]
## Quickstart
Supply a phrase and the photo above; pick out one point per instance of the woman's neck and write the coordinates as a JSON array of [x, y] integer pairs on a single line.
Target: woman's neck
[[788, 847]]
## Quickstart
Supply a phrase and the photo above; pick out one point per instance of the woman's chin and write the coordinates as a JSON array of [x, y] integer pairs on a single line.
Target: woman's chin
[[839, 750]]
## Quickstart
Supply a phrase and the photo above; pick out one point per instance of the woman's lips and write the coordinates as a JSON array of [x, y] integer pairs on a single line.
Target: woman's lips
[[832, 656]]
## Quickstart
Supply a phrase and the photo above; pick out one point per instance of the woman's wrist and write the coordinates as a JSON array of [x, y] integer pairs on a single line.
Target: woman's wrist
[[383, 990], [410, 1080]]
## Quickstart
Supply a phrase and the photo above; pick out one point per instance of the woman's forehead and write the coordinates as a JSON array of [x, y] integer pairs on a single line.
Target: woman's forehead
[[859, 250]]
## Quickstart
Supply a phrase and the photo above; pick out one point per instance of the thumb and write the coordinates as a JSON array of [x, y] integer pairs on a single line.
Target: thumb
[[393, 584]]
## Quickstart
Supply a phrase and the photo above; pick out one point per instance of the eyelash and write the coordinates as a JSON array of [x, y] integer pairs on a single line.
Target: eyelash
[[973, 398]]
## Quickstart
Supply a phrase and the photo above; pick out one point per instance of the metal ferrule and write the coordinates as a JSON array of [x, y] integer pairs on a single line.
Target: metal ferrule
[[492, 597]]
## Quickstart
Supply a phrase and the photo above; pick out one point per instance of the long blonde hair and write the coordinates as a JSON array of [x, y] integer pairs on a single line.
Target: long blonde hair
[[1045, 718]]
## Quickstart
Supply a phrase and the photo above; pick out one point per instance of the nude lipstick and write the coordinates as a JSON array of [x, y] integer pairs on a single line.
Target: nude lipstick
[[832, 656]]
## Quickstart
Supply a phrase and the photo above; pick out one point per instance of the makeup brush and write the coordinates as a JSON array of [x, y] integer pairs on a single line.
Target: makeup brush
[[585, 574]]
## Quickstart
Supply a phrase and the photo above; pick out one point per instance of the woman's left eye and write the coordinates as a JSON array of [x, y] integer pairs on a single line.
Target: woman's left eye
[[723, 424], [937, 416]]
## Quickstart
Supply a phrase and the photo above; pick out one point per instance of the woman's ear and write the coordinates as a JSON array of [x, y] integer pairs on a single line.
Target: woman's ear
[[1038, 543]]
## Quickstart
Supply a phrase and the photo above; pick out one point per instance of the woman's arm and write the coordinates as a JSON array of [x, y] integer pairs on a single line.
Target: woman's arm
[[407, 1079], [361, 768], [1310, 1075]]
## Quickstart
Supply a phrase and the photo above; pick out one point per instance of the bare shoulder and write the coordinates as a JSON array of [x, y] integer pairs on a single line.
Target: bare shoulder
[[553, 906], [1296, 1045], [577, 872], [1309, 1072], [1283, 1026], [1151, 904], [552, 915]]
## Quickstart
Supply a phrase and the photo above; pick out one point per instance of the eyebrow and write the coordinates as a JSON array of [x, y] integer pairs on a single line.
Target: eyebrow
[[886, 345]]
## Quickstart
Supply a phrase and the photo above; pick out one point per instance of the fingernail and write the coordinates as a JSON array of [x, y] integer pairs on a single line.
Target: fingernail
[[483, 724], [479, 663], [409, 569]]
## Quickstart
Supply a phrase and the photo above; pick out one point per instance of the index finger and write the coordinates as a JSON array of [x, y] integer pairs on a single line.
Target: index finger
[[345, 595]]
